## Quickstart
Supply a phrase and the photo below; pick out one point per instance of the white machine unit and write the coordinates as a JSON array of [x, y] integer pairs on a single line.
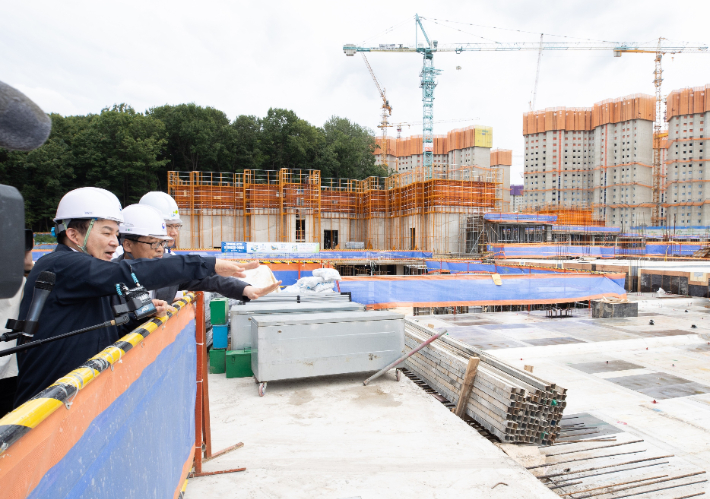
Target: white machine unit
[[301, 346], [241, 314]]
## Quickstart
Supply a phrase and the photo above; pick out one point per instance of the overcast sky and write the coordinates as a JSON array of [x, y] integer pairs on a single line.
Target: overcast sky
[[76, 57]]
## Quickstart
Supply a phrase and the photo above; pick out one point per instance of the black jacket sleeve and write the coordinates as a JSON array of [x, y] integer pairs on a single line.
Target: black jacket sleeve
[[80, 276], [228, 287]]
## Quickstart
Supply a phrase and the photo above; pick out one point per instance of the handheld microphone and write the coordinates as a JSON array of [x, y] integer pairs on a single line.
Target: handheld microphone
[[43, 287], [23, 125], [28, 327]]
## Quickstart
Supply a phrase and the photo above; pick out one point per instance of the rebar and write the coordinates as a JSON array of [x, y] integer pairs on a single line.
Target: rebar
[[614, 485], [647, 484], [584, 459], [603, 467], [618, 471], [595, 448]]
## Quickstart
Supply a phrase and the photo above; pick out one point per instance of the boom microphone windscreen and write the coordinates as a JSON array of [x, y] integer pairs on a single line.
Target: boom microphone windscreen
[[23, 125]]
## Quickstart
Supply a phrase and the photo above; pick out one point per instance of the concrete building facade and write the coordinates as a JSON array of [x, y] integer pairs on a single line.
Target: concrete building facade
[[463, 147], [686, 170], [460, 154], [599, 157], [516, 198]]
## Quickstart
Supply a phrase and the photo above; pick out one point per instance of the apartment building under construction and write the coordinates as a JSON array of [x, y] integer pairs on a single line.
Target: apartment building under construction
[[599, 157], [463, 149], [602, 158], [685, 173]]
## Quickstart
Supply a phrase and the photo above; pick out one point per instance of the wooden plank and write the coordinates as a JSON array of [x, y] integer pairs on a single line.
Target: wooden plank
[[467, 386]]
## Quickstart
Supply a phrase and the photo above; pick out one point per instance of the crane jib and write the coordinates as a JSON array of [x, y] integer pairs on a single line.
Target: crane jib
[[428, 81]]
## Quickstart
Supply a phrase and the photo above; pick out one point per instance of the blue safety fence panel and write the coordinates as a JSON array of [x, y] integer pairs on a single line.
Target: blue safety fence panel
[[138, 446]]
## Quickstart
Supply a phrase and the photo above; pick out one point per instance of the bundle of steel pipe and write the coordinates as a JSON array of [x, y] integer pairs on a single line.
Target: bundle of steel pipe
[[511, 403]]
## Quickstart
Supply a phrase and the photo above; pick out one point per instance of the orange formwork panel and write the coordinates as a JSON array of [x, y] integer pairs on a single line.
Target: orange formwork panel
[[687, 101], [501, 157]]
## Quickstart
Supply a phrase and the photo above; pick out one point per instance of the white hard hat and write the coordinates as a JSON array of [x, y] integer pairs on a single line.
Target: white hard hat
[[164, 203], [88, 202], [143, 220]]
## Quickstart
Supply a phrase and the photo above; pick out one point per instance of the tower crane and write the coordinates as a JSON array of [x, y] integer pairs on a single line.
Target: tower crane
[[386, 112], [537, 74], [428, 74], [658, 125]]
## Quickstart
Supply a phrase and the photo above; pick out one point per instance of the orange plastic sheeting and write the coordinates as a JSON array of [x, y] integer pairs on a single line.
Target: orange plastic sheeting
[[557, 118], [688, 101], [631, 107], [572, 215], [501, 157], [460, 138]]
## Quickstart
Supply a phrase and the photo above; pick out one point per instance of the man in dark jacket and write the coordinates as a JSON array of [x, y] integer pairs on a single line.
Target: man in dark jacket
[[87, 223]]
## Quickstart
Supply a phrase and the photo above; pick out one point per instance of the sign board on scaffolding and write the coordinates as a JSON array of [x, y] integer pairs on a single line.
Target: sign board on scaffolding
[[269, 248]]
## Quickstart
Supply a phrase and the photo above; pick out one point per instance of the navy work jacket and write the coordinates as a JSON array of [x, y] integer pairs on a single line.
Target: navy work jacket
[[81, 297], [229, 287]]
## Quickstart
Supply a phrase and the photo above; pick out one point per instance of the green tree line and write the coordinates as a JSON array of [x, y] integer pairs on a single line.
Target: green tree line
[[130, 153]]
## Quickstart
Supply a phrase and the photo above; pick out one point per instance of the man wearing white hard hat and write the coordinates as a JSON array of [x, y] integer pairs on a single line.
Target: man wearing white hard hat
[[167, 206], [87, 227], [144, 235]]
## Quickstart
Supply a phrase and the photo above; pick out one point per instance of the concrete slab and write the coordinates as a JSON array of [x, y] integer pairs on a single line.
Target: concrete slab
[[333, 438], [553, 341], [600, 367]]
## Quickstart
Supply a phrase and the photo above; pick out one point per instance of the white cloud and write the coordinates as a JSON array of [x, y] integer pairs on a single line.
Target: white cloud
[[244, 57]]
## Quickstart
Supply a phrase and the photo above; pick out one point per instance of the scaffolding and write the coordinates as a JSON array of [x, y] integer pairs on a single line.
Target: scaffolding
[[436, 210]]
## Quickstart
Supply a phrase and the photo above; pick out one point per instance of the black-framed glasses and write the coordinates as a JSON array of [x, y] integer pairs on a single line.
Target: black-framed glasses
[[154, 245]]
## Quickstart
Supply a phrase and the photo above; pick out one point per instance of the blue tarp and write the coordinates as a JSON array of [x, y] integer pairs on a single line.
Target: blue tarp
[[424, 291], [565, 251], [322, 255], [519, 217], [477, 266], [584, 228], [685, 249]]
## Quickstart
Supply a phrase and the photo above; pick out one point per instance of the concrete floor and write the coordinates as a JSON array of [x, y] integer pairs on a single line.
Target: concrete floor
[[332, 437], [652, 382]]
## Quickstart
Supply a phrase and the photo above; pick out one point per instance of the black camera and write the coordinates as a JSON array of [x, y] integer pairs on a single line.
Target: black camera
[[136, 301]]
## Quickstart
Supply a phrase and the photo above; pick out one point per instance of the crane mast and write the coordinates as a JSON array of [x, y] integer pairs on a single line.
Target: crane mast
[[386, 113], [537, 75], [656, 216]]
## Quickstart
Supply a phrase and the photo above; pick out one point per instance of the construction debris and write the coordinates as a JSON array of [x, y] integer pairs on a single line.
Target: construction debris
[[512, 404]]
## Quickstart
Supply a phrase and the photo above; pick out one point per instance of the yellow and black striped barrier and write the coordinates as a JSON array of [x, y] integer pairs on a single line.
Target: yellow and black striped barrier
[[62, 392]]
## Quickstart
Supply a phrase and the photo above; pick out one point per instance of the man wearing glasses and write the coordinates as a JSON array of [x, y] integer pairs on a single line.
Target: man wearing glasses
[[144, 235]]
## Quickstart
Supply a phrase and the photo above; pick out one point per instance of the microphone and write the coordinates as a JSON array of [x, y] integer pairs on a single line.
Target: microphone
[[43, 287], [23, 125]]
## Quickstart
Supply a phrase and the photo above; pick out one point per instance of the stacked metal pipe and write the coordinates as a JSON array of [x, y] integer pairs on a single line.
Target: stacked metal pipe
[[512, 404]]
